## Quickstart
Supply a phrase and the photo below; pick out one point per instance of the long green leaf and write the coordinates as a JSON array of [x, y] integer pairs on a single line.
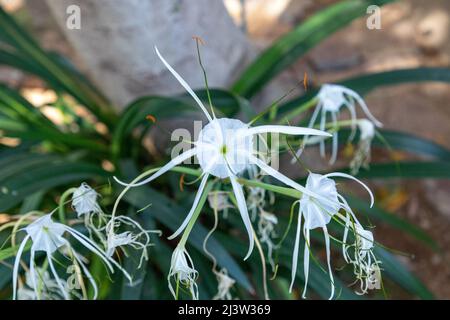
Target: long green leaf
[[290, 47], [45, 177], [368, 82], [401, 275], [406, 170], [403, 141], [161, 108]]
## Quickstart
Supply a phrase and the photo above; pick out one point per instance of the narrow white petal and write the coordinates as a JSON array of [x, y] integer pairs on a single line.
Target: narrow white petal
[[327, 248], [17, 263], [323, 119], [33, 274], [55, 274], [306, 260], [296, 248], [351, 109], [282, 178], [363, 105], [286, 130], [184, 84], [194, 206], [242, 206], [334, 148], [344, 238], [344, 175], [172, 163], [95, 249], [88, 275], [90, 245]]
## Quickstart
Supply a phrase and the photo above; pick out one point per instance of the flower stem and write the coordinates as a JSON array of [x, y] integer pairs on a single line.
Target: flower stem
[[62, 202], [197, 211], [299, 110]]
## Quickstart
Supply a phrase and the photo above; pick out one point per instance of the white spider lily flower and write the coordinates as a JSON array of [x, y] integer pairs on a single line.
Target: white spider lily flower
[[365, 265], [48, 236], [84, 200], [224, 149], [362, 154], [266, 229], [331, 98], [48, 287], [317, 211], [183, 272], [85, 204], [225, 283], [139, 240]]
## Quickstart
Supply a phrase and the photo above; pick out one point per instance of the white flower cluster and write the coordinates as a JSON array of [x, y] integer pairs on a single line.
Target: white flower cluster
[[53, 239], [225, 151], [331, 98]]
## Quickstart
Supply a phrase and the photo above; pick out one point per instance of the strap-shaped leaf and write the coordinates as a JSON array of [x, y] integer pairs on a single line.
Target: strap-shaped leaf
[[296, 43]]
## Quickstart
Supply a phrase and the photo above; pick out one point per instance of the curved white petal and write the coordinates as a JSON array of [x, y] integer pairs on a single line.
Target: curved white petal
[[282, 178], [323, 118], [95, 249], [16, 264], [184, 84], [306, 260], [88, 275], [55, 274], [351, 109], [33, 274], [334, 148], [327, 248], [90, 246], [194, 206], [286, 130], [363, 105], [345, 175], [172, 163], [296, 248], [242, 206]]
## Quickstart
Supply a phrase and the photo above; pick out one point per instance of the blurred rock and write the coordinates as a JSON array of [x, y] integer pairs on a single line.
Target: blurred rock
[[432, 32], [333, 55]]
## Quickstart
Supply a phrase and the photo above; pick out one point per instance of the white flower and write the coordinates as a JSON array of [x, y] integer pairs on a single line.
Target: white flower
[[225, 283], [139, 240], [317, 207], [47, 235], [85, 204], [225, 149], [183, 272], [331, 98], [362, 154], [365, 265], [84, 200]]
